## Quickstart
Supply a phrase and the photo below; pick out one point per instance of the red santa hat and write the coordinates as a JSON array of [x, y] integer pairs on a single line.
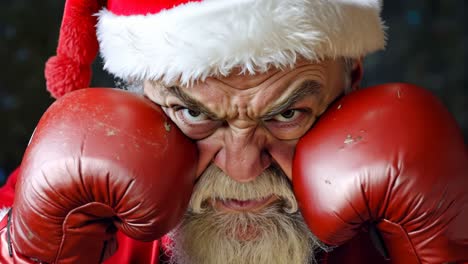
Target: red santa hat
[[186, 40]]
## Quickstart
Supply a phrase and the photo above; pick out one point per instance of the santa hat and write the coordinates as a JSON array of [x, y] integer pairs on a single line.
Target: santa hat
[[185, 40]]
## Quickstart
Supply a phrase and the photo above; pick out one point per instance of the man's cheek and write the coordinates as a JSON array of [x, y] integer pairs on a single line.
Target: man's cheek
[[282, 154], [207, 149]]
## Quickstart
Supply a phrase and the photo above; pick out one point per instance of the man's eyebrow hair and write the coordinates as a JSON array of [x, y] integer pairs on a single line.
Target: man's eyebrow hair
[[189, 102], [305, 89]]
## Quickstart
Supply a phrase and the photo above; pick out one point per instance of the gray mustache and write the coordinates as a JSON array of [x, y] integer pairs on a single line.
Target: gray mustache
[[215, 184]]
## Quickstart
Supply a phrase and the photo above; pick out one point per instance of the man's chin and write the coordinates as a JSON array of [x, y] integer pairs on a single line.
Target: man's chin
[[268, 236], [245, 228], [244, 233]]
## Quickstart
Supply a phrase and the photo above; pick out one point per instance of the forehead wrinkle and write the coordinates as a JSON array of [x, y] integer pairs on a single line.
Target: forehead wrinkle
[[247, 81], [238, 103], [305, 89], [317, 75]]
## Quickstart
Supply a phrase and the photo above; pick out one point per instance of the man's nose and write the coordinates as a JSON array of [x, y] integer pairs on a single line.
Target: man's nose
[[244, 156]]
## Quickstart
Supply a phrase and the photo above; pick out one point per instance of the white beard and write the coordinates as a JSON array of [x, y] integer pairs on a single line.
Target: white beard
[[276, 234]]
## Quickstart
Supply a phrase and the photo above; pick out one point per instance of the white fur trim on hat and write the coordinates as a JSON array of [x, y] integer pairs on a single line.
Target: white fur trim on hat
[[211, 37], [3, 212]]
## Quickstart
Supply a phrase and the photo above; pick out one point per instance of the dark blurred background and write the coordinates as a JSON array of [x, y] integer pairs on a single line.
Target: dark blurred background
[[426, 46]]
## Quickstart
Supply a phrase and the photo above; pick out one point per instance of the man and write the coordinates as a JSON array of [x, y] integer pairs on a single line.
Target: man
[[245, 81]]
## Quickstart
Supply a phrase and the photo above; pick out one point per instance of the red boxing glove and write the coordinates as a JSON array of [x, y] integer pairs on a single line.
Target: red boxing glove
[[100, 159], [390, 157]]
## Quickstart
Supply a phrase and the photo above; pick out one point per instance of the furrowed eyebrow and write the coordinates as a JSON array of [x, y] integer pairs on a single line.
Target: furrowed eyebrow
[[305, 89], [190, 103]]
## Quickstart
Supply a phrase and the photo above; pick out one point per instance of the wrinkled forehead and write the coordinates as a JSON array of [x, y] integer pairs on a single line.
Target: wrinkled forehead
[[262, 88], [273, 76]]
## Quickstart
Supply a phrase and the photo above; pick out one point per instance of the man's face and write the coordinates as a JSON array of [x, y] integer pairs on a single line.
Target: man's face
[[246, 128], [245, 123]]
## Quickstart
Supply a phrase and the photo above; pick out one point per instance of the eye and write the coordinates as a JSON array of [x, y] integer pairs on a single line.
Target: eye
[[191, 116], [288, 115], [194, 123], [290, 124]]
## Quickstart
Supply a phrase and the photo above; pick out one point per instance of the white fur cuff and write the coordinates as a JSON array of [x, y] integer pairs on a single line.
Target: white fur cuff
[[3, 212]]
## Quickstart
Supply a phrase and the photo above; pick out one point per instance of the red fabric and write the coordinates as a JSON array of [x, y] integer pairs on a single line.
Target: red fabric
[[132, 251], [77, 38], [7, 191], [64, 75], [77, 47], [142, 7]]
